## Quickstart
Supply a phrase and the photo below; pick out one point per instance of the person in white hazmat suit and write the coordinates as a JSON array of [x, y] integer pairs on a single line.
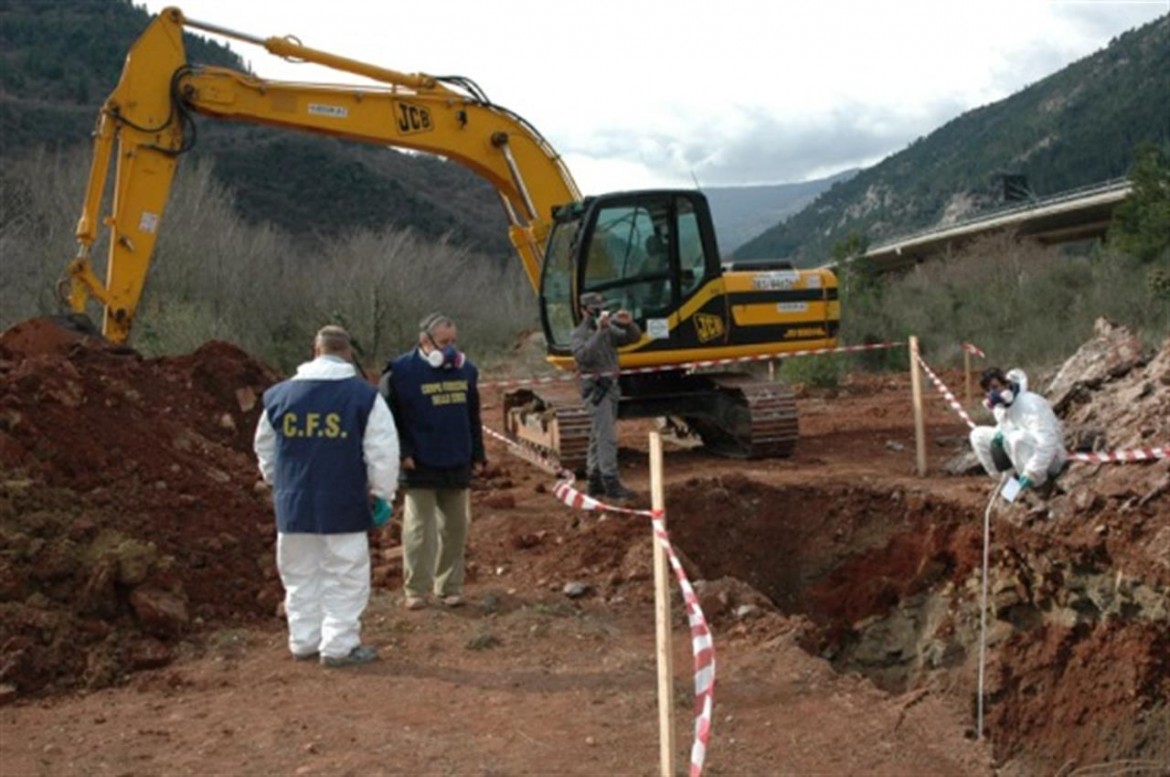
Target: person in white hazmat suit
[[325, 442], [1027, 437]]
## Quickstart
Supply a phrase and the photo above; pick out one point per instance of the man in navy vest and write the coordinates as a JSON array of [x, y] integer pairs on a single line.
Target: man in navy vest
[[433, 393], [325, 442]]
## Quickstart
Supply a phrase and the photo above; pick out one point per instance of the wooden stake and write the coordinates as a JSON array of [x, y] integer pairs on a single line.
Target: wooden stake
[[919, 421], [662, 620], [967, 377]]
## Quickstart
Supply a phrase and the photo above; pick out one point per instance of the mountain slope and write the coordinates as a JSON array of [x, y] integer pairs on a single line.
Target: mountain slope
[[59, 60], [1076, 127], [742, 212]]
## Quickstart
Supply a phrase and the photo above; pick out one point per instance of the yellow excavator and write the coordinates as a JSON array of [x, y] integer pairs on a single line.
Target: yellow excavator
[[653, 253]]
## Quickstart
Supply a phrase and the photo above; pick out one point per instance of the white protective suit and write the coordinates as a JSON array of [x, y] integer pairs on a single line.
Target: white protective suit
[[326, 577], [1032, 437]]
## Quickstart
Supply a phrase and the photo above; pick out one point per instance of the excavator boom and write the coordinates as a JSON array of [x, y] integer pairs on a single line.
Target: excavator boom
[[148, 119]]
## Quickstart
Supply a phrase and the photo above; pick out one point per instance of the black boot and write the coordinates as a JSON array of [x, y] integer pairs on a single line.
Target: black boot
[[596, 485], [614, 488]]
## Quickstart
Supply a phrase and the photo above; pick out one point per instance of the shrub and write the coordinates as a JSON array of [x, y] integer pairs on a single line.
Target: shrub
[[1024, 304]]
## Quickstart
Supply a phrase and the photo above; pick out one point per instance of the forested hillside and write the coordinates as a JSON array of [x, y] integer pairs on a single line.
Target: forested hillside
[[59, 60], [1076, 127]]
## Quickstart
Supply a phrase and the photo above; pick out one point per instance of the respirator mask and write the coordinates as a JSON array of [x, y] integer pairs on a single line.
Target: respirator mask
[[448, 355], [1002, 397]]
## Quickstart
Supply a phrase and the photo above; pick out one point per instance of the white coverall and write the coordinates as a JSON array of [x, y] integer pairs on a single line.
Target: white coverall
[[326, 577], [1032, 438]]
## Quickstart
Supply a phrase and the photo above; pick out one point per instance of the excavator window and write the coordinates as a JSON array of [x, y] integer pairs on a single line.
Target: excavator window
[[692, 258], [556, 286], [628, 258]]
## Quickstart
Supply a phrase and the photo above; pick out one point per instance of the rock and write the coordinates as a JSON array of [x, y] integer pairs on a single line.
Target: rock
[[1113, 351], [246, 398], [576, 589], [135, 560], [966, 463], [950, 441], [894, 445], [7, 693], [83, 528], [150, 654], [160, 612], [746, 611], [528, 540], [483, 642]]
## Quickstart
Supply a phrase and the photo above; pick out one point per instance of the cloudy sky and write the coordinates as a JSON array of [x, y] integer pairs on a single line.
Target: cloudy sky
[[643, 93]]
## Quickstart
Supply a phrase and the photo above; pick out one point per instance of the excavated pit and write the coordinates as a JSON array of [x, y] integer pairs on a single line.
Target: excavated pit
[[889, 582]]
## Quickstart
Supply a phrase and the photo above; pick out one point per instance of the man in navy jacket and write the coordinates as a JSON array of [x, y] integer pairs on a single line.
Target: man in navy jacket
[[325, 442], [433, 392]]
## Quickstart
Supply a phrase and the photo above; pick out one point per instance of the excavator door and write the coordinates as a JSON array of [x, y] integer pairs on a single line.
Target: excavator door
[[652, 253]]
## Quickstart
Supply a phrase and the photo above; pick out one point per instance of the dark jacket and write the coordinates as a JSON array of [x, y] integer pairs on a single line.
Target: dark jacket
[[436, 410]]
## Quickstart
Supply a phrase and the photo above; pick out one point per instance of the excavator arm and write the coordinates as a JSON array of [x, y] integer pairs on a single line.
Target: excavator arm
[[145, 125]]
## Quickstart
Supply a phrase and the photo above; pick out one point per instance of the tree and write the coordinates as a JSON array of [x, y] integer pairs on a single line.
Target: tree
[[1141, 224], [857, 273]]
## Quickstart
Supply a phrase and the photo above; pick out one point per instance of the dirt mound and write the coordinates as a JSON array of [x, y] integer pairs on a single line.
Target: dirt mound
[[128, 508]]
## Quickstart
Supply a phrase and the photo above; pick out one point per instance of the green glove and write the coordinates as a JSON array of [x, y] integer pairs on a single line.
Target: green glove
[[381, 512], [1026, 482], [997, 439]]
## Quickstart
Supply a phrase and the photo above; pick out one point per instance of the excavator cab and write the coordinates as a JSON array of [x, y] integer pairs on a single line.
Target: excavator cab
[[654, 254], [648, 252]]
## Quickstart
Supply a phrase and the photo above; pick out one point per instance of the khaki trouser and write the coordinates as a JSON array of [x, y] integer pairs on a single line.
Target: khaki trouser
[[434, 534]]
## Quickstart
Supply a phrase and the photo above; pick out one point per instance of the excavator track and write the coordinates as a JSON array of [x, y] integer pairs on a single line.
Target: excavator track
[[553, 425], [749, 419]]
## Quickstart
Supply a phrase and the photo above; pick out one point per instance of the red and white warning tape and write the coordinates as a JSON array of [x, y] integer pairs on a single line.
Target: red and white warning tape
[[1124, 456], [946, 392], [702, 648], [702, 645], [974, 349], [565, 492], [1134, 454], [689, 365]]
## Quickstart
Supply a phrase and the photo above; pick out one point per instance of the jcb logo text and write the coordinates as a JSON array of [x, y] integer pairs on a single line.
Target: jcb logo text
[[413, 119], [708, 327]]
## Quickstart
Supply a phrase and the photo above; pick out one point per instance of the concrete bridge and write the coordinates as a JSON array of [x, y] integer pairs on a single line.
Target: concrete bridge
[[1076, 214]]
